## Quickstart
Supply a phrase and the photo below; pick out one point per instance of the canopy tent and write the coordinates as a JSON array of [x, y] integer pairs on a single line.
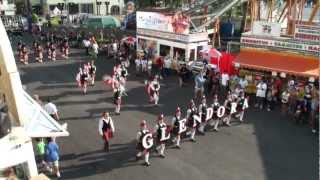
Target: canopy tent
[[56, 11], [279, 62], [210, 53], [101, 22]]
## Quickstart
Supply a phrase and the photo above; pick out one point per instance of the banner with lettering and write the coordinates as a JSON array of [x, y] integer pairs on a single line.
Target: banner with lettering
[[177, 23]]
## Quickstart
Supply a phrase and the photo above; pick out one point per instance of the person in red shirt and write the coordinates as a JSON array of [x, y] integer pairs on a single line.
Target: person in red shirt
[[159, 65]]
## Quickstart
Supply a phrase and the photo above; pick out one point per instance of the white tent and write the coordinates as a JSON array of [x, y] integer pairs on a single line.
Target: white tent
[[56, 11]]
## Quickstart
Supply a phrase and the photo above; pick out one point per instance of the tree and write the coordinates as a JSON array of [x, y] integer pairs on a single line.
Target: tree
[[145, 3]]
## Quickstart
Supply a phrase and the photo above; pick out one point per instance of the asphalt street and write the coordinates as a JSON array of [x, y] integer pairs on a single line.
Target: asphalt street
[[267, 146]]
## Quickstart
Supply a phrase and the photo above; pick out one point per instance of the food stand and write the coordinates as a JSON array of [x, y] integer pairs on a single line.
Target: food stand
[[265, 52], [166, 33]]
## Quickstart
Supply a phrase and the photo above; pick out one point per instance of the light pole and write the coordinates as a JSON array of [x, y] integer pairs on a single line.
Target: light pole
[[107, 7], [98, 7]]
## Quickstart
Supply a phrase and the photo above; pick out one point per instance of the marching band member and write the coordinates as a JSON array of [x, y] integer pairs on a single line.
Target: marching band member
[[84, 80], [215, 119], [227, 105], [117, 99], [40, 53], [124, 71], [92, 72], [53, 52], [48, 48], [20, 52], [154, 90], [203, 114], [25, 54], [191, 122], [176, 127], [19, 46], [65, 49], [149, 65], [144, 149], [115, 81], [242, 105], [35, 49], [106, 129], [78, 77], [159, 133], [117, 70]]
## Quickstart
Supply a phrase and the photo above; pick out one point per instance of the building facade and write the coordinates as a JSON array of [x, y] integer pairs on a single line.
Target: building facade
[[21, 118], [97, 7], [7, 7]]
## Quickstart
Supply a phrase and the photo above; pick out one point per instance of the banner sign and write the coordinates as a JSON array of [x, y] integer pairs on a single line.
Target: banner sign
[[280, 44], [263, 28], [177, 23], [306, 32], [196, 37]]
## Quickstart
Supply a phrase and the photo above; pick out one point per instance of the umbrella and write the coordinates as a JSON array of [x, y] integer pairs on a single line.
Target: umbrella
[[210, 53]]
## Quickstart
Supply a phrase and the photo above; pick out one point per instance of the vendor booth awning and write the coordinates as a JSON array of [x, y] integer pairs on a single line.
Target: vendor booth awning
[[279, 62]]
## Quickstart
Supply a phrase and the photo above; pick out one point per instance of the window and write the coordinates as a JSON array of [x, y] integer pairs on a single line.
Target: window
[[115, 10], [73, 8], [87, 8]]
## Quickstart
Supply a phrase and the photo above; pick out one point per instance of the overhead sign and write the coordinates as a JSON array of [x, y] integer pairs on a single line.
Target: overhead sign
[[196, 37], [263, 28], [177, 23], [307, 32], [280, 44]]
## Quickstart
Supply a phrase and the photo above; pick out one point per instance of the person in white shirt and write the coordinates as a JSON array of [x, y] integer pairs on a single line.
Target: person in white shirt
[[144, 65], [225, 82], [114, 48], [138, 65], [167, 66], [261, 94], [106, 129], [51, 109], [95, 49], [86, 44], [199, 86], [243, 83], [149, 66], [285, 101]]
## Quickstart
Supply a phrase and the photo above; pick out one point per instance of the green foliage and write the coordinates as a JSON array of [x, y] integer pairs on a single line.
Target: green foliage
[[35, 18], [55, 21], [145, 3]]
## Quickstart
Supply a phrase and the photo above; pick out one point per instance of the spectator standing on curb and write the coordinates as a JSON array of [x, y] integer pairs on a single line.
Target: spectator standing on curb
[[199, 86], [86, 44], [261, 94], [52, 156], [167, 66], [40, 152], [225, 83]]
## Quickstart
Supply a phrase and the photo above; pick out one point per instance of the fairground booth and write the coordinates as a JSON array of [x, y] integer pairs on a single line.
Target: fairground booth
[[162, 32], [266, 52]]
